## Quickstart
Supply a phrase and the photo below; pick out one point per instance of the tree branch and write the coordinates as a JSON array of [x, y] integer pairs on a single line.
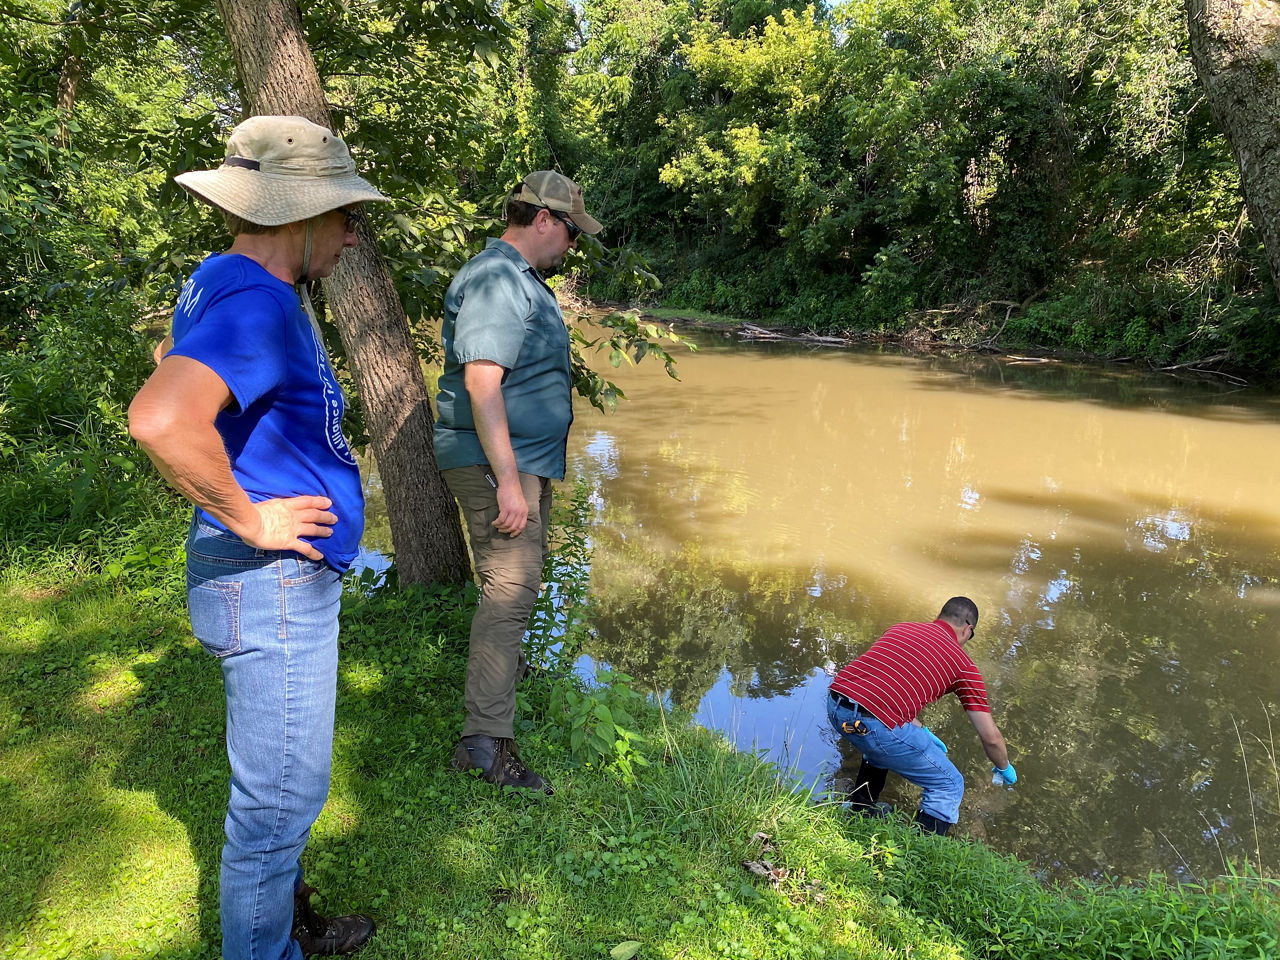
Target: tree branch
[[8, 11]]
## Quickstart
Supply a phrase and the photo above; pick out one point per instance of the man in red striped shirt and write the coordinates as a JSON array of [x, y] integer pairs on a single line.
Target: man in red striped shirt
[[875, 704]]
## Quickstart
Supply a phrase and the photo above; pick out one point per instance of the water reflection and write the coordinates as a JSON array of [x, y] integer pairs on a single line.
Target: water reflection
[[760, 523]]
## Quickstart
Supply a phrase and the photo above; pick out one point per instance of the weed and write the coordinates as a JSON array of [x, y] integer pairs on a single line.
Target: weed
[[597, 721]]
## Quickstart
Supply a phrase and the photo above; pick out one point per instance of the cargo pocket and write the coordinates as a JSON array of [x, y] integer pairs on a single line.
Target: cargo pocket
[[480, 513], [215, 614]]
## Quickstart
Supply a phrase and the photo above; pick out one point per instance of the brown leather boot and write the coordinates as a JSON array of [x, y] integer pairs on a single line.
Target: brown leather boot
[[327, 937], [499, 762]]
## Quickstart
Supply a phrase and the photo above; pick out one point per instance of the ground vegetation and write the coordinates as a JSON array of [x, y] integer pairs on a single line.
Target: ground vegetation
[[661, 841]]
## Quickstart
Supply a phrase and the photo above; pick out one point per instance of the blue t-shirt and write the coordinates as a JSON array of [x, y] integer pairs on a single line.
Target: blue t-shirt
[[499, 308], [283, 429]]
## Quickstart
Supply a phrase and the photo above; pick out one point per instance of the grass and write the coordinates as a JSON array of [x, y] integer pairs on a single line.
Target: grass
[[113, 781]]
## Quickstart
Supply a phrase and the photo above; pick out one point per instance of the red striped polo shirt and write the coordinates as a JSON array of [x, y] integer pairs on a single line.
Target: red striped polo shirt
[[913, 664]]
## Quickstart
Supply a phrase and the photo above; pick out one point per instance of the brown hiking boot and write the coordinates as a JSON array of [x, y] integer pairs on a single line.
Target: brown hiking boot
[[499, 762], [327, 937]]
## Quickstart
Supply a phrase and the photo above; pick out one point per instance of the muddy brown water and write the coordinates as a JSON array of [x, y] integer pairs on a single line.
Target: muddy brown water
[[758, 524]]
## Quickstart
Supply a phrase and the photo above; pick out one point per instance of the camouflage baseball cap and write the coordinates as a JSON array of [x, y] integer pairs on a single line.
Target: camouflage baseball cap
[[552, 190]]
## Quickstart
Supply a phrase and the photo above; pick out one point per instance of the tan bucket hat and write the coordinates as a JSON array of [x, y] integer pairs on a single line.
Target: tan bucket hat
[[280, 170], [552, 190]]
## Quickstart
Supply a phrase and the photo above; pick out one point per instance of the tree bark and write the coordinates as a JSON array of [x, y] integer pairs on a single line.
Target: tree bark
[[1235, 47], [278, 76], [69, 82], [69, 79]]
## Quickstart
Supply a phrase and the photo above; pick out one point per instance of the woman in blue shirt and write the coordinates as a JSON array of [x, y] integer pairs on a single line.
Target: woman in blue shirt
[[243, 416]]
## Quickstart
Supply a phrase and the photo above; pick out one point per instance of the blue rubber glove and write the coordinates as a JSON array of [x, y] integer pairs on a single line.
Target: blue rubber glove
[[934, 737], [1008, 776]]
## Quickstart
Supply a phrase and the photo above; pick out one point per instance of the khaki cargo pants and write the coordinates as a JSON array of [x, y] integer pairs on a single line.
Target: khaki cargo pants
[[510, 573]]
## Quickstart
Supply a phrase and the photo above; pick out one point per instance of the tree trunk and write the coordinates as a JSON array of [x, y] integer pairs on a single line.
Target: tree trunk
[[69, 82], [69, 78], [1235, 47], [278, 76]]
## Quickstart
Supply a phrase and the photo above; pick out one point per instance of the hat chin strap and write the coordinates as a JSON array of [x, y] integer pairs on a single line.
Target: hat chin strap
[[304, 295], [306, 254]]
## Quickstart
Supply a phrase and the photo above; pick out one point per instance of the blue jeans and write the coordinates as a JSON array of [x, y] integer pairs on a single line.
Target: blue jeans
[[271, 618], [908, 752]]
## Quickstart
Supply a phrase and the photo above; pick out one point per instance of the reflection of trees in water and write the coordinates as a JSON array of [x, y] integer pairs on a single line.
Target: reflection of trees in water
[[1112, 385], [675, 621], [1124, 665], [667, 630], [1118, 662]]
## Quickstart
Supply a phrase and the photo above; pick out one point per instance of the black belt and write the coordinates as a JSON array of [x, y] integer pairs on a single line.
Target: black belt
[[844, 701]]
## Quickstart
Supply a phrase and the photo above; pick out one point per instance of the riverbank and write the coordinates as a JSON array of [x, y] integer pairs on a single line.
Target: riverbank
[[665, 843], [971, 334]]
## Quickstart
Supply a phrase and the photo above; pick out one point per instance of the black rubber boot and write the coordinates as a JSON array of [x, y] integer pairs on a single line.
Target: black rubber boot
[[931, 824], [865, 796], [327, 937], [499, 762]]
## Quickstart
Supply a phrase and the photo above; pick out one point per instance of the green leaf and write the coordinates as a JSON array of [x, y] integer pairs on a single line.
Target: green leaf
[[625, 950]]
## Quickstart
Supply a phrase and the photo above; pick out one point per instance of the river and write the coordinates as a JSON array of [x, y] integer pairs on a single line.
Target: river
[[758, 524]]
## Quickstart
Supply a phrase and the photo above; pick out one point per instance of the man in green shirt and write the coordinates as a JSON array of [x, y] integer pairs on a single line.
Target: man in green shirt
[[503, 416]]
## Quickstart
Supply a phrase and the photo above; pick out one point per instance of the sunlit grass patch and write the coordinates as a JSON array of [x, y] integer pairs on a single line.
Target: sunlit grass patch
[[81, 855], [363, 678], [131, 881]]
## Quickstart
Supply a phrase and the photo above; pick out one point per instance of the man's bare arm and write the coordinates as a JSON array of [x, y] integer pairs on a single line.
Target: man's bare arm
[[992, 739], [483, 379]]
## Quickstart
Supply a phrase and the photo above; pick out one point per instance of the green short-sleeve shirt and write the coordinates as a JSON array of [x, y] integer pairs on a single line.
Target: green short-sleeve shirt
[[499, 308]]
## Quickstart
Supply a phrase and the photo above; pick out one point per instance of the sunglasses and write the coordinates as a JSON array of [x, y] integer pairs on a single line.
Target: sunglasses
[[575, 231]]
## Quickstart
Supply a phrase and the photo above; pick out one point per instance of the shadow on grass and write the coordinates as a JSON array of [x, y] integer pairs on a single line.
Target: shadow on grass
[[113, 770], [91, 756]]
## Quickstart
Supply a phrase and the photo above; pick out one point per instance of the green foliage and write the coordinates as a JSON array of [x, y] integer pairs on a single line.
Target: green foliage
[[75, 211], [594, 722], [888, 161], [992, 903], [406, 84], [597, 722], [625, 339], [67, 463], [558, 625]]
